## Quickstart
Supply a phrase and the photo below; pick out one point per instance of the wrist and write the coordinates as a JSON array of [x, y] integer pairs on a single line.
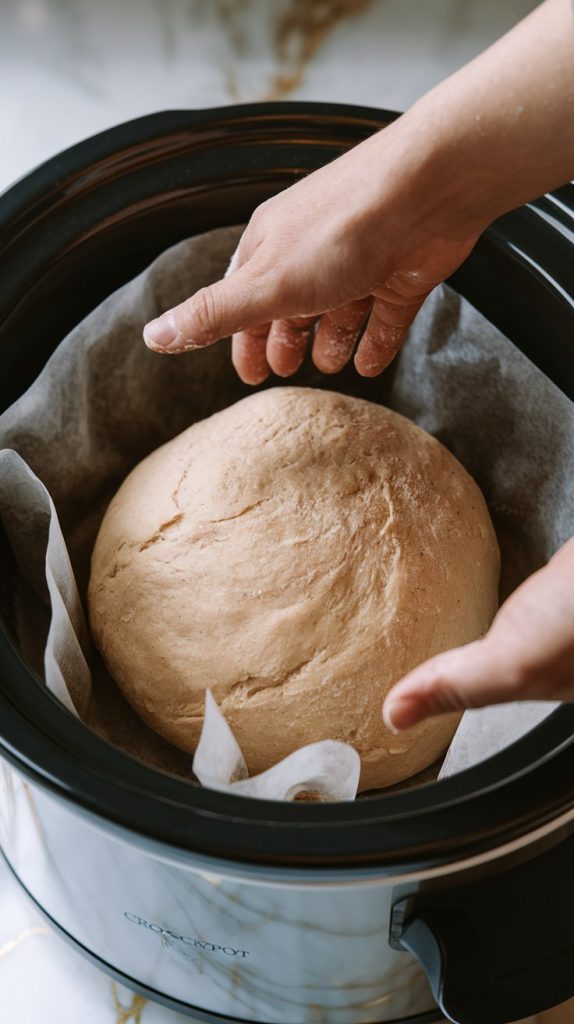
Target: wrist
[[456, 176], [416, 195]]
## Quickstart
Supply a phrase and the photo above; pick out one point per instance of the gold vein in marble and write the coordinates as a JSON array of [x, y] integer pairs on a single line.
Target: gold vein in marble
[[11, 944], [299, 33], [128, 1014], [298, 30]]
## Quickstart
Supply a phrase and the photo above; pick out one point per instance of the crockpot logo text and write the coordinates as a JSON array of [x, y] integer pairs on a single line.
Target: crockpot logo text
[[208, 947]]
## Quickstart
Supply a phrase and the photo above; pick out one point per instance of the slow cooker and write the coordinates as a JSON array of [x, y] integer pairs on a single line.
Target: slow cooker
[[454, 898]]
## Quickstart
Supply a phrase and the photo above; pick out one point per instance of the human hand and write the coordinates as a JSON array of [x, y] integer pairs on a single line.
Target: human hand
[[528, 654], [344, 246], [372, 233]]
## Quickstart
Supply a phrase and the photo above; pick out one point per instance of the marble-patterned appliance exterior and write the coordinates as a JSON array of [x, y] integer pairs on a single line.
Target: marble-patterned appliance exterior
[[210, 936]]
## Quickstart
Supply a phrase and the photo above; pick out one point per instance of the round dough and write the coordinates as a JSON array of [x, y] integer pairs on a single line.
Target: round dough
[[297, 553]]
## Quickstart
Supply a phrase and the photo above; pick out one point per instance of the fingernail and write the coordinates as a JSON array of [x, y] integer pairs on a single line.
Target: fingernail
[[161, 334], [388, 718]]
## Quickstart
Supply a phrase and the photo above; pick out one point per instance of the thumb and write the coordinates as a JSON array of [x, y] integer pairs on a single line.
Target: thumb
[[466, 677], [242, 299]]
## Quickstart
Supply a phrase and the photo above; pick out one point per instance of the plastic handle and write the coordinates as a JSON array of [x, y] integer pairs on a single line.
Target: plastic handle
[[500, 948], [451, 959]]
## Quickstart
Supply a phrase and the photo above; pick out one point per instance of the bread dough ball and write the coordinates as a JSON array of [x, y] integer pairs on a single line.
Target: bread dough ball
[[297, 553]]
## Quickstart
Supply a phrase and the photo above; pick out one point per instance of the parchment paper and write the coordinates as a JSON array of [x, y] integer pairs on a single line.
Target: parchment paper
[[104, 401]]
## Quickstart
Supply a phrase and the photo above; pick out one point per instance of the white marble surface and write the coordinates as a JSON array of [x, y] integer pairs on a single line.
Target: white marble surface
[[42, 981], [238, 944], [69, 68]]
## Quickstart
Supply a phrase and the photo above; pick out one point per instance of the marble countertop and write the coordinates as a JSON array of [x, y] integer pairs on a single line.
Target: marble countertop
[[69, 68]]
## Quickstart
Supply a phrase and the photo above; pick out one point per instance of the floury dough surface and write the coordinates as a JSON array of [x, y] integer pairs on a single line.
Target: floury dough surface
[[297, 553]]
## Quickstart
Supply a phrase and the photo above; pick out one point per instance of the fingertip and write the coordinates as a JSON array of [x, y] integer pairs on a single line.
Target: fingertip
[[337, 333], [414, 697], [286, 376], [248, 357], [388, 717], [164, 337], [280, 370], [251, 378], [250, 372], [366, 368], [286, 344], [160, 333], [379, 345], [327, 368], [329, 362], [400, 713], [449, 682]]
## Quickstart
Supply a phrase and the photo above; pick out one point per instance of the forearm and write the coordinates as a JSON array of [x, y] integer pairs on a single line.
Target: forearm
[[393, 217], [497, 133], [503, 125]]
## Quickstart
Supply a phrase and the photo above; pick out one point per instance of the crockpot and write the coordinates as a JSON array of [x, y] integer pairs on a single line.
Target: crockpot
[[453, 898]]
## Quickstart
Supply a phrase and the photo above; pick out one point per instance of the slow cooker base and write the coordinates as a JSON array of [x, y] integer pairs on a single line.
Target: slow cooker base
[[193, 1012]]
